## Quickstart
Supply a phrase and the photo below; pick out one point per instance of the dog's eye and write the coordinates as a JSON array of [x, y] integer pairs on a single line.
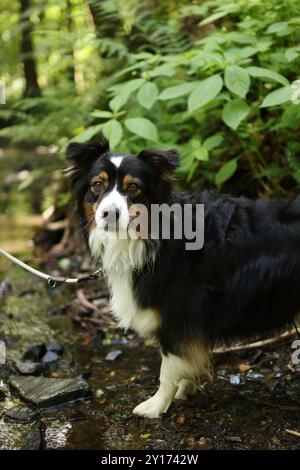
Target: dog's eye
[[132, 188], [97, 186]]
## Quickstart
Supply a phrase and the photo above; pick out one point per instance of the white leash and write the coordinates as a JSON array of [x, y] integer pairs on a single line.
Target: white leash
[[52, 280]]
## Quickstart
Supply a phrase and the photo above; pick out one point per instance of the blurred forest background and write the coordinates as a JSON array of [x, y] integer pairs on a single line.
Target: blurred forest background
[[214, 79]]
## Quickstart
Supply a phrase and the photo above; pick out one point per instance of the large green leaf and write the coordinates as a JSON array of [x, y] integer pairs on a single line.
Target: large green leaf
[[143, 128], [277, 27], [276, 97], [177, 91], [234, 112], [147, 94], [260, 72], [166, 70], [226, 172], [205, 92], [123, 92], [213, 141], [237, 80], [113, 131]]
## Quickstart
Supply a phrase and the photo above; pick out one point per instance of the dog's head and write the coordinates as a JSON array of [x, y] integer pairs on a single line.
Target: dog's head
[[109, 185]]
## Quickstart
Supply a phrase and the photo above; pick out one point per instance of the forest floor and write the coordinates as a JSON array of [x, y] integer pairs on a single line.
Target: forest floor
[[252, 403]]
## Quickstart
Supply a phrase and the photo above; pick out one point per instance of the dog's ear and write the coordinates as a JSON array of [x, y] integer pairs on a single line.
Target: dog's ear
[[162, 162], [81, 156]]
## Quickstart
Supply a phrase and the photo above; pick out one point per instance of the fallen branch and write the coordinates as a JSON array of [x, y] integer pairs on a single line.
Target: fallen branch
[[257, 344], [294, 433], [85, 302]]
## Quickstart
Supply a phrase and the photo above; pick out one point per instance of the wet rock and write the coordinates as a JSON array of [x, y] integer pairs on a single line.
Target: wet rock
[[113, 355], [28, 368], [35, 353], [44, 391], [235, 379], [55, 347], [35, 438], [42, 353], [254, 376], [21, 414], [5, 288], [49, 357]]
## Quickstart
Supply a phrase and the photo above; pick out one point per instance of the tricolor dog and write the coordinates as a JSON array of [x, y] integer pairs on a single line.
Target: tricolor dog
[[242, 282]]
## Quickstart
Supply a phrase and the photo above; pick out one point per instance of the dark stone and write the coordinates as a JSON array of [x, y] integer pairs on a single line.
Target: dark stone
[[35, 438], [21, 414], [50, 356], [113, 355], [44, 391], [28, 368], [35, 353]]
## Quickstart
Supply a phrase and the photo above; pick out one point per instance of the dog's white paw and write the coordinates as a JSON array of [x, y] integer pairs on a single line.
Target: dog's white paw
[[151, 408]]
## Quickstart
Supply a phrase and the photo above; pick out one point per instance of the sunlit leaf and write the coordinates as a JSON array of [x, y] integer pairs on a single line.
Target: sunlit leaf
[[276, 97], [234, 112], [143, 128], [113, 131], [205, 92], [147, 94], [237, 80]]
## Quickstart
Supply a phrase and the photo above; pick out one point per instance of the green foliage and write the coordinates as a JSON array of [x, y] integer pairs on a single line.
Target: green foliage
[[225, 101], [214, 79]]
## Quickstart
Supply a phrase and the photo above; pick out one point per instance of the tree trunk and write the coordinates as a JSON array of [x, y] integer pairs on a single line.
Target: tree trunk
[[32, 88], [70, 68]]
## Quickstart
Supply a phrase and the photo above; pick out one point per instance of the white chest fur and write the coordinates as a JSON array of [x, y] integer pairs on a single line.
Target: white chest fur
[[119, 259], [125, 308]]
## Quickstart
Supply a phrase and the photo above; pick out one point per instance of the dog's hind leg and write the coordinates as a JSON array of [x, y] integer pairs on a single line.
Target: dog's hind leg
[[170, 373], [174, 369], [186, 388]]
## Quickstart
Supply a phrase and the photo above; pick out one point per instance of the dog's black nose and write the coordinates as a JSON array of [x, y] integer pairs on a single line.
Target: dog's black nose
[[112, 214]]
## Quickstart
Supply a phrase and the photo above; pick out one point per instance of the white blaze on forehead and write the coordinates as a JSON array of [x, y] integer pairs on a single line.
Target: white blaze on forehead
[[117, 161]]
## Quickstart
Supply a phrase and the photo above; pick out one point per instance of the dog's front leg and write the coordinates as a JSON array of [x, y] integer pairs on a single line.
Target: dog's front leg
[[170, 374]]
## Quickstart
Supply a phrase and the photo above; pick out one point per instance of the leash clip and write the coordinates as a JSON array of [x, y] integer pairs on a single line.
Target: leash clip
[[51, 283]]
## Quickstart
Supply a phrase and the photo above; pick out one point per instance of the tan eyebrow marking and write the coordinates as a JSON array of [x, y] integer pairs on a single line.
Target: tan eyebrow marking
[[128, 180], [103, 176]]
